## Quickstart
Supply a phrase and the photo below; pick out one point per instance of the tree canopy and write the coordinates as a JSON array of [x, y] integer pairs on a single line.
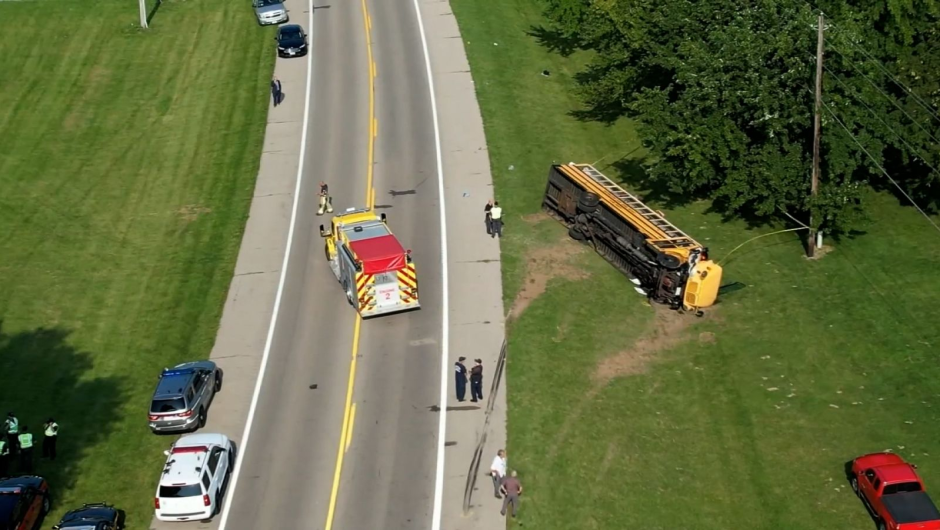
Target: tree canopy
[[722, 92]]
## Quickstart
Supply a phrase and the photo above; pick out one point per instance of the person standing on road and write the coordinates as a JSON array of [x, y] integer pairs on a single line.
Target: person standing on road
[[460, 376], [496, 214], [326, 202], [25, 440], [476, 381], [4, 457], [276, 91], [50, 435], [487, 217], [511, 488], [12, 427], [498, 471]]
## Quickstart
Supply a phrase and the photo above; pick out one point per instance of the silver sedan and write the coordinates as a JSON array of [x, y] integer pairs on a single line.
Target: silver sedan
[[269, 11]]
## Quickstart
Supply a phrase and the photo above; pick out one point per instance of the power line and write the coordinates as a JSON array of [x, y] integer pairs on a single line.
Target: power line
[[886, 174], [883, 122], [885, 94], [881, 67]]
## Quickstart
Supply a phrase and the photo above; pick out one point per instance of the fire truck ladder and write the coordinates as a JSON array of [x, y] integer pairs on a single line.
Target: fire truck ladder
[[637, 205]]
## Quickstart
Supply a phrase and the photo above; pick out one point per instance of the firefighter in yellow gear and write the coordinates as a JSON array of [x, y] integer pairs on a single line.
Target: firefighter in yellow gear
[[326, 202]]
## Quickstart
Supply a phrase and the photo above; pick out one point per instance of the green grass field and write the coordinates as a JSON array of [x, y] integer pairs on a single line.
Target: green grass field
[[127, 169], [621, 416]]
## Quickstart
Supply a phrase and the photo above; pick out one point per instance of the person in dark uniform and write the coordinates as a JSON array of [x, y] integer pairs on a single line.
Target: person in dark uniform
[[476, 381], [460, 376], [488, 217]]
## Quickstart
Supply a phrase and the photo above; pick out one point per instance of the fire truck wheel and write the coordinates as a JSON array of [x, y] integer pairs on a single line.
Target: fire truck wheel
[[349, 294], [576, 234]]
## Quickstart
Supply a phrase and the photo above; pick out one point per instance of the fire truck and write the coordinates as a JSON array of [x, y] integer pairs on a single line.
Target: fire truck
[[663, 263], [377, 274]]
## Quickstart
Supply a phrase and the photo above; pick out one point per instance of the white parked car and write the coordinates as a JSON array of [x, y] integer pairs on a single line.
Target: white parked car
[[194, 478]]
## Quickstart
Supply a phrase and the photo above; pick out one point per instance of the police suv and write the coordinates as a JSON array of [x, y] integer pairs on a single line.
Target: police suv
[[182, 398], [194, 478]]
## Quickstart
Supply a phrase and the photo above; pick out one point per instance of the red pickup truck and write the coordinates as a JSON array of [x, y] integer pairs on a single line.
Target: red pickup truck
[[893, 493]]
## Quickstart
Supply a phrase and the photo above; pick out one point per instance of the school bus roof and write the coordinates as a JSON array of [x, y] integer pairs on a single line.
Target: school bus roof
[[379, 254]]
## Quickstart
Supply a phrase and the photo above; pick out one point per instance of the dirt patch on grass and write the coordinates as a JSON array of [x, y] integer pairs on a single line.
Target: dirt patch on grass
[[191, 212], [706, 337], [668, 330], [821, 252], [534, 218], [542, 265]]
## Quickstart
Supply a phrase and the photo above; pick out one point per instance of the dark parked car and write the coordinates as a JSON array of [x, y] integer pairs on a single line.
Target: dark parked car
[[95, 516], [291, 41], [24, 502], [183, 396]]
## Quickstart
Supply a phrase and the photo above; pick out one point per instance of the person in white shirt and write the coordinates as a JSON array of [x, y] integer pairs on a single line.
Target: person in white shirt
[[498, 471]]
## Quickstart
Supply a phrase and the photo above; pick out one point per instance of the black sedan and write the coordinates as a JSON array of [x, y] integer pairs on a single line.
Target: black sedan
[[291, 41], [96, 516]]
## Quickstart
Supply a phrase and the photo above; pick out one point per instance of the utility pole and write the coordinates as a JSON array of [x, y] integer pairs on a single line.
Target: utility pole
[[143, 13], [814, 188]]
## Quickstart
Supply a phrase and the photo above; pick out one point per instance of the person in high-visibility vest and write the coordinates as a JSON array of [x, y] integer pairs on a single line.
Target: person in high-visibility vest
[[25, 440], [326, 202], [12, 427], [50, 435], [4, 457]]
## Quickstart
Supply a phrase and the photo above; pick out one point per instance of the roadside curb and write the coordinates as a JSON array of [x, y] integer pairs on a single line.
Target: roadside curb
[[477, 327]]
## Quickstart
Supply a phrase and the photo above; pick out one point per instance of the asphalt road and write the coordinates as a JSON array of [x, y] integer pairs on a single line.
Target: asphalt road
[[387, 481]]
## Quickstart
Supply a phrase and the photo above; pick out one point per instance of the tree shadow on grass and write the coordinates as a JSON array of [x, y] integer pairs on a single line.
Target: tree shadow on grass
[[554, 40], [42, 376]]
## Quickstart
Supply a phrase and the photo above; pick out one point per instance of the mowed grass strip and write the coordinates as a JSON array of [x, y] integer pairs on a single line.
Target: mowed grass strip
[[127, 170], [623, 416]]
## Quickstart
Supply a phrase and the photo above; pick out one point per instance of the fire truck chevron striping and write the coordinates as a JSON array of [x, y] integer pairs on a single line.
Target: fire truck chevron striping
[[663, 262], [377, 274]]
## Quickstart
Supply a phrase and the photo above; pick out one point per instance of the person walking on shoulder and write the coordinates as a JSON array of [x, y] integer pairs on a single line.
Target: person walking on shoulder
[[25, 440], [511, 488], [476, 381], [496, 214], [50, 435], [498, 471], [460, 378], [276, 91]]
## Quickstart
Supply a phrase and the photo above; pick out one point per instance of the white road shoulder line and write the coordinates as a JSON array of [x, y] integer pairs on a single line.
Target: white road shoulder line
[[243, 449], [445, 289]]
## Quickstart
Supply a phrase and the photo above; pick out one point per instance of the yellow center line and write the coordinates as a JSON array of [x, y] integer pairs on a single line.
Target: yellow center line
[[349, 411], [352, 423], [343, 437]]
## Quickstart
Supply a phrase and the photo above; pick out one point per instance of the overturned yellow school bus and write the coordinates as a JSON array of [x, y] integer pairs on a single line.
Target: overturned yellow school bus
[[662, 262]]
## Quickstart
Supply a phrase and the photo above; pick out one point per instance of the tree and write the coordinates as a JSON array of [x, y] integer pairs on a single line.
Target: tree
[[721, 93]]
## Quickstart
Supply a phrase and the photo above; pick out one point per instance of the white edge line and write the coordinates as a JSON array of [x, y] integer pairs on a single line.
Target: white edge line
[[445, 321], [242, 450]]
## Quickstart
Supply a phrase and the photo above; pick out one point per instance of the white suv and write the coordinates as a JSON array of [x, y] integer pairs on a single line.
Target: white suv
[[194, 477]]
